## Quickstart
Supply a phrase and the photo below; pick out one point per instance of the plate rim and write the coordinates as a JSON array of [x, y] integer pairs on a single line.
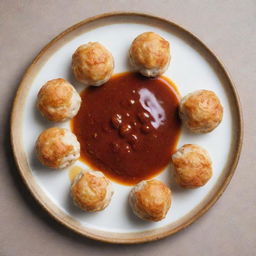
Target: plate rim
[[24, 175]]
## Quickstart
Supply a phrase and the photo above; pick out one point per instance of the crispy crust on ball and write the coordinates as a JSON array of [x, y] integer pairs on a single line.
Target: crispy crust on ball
[[192, 166], [150, 200], [150, 54], [92, 64], [57, 148], [201, 111], [91, 191], [58, 101]]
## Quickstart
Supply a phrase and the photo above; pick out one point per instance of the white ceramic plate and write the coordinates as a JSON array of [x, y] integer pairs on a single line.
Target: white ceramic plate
[[192, 67]]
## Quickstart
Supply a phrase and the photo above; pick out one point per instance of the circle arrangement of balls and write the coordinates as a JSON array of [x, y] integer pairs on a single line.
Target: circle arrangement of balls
[[93, 65]]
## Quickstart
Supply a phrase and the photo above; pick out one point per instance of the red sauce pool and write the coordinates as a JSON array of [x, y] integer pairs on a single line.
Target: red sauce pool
[[129, 127]]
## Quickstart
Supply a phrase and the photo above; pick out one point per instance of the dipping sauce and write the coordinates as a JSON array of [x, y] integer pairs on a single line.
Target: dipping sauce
[[129, 127]]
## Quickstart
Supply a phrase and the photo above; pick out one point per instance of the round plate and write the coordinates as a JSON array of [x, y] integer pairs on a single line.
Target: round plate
[[193, 66]]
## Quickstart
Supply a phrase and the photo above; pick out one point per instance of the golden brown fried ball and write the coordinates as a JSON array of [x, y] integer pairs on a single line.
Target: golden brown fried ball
[[91, 191], [150, 200], [58, 100], [57, 148], [150, 54], [192, 166], [201, 111], [92, 64]]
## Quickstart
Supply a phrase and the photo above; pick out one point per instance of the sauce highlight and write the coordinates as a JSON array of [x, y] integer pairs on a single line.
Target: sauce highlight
[[129, 127]]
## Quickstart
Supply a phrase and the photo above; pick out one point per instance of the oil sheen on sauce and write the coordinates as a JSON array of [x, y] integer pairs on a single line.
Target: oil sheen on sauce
[[129, 127]]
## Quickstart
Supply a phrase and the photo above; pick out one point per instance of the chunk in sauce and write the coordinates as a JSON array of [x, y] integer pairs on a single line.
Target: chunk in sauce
[[129, 127]]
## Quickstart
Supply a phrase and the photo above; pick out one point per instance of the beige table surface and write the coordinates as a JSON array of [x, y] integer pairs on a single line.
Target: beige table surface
[[228, 28]]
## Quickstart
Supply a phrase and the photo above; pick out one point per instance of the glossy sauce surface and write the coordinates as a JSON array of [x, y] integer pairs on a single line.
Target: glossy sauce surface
[[129, 127]]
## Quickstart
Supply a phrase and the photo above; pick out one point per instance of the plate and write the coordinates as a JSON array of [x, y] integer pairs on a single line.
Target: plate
[[193, 66]]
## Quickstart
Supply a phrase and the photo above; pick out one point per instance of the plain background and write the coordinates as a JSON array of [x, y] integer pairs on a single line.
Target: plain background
[[228, 28]]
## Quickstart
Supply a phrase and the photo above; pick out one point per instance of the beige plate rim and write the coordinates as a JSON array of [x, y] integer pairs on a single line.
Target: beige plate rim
[[111, 237]]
